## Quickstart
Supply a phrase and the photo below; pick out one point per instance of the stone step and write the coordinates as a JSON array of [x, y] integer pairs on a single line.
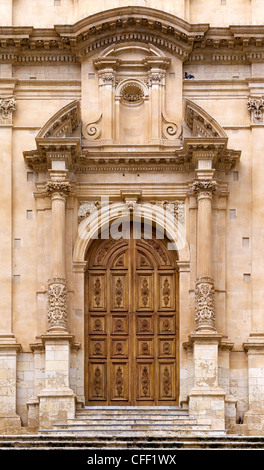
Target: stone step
[[133, 419], [131, 411], [51, 441], [117, 426]]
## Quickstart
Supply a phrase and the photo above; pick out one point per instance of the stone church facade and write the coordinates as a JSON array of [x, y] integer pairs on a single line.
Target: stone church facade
[[132, 226]]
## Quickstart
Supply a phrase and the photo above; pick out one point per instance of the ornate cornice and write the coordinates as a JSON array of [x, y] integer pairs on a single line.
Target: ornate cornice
[[201, 123], [190, 42], [59, 140]]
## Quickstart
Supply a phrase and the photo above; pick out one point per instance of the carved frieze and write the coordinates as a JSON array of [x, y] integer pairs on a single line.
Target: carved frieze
[[7, 108], [176, 208], [205, 303], [86, 208], [57, 303], [256, 107]]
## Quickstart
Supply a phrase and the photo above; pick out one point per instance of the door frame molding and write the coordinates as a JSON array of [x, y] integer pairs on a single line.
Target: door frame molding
[[83, 242]]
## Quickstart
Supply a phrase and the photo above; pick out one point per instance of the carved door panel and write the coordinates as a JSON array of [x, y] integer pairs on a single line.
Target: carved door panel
[[131, 347]]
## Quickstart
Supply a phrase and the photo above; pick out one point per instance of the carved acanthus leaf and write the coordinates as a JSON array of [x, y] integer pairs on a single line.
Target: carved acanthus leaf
[[256, 106], [7, 107], [61, 187], [204, 186], [205, 303], [57, 303]]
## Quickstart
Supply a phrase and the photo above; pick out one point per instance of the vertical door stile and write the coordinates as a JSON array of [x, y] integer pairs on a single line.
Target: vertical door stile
[[108, 335], [132, 315]]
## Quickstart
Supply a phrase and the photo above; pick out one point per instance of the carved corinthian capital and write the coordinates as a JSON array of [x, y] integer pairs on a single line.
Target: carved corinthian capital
[[58, 187], [205, 304], [7, 107], [57, 304], [256, 107], [208, 186]]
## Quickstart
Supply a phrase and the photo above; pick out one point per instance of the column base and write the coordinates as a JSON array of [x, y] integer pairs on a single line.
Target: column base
[[254, 417], [208, 407], [55, 406], [10, 423]]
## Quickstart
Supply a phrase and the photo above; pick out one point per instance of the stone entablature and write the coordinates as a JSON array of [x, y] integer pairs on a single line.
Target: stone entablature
[[190, 42]]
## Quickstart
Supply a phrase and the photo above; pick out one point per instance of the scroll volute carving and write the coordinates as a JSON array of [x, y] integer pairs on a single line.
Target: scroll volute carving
[[124, 103]]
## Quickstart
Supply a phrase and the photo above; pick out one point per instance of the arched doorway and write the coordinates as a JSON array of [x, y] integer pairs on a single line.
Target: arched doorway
[[131, 322]]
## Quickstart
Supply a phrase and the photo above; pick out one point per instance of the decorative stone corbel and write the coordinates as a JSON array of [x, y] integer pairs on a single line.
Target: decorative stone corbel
[[7, 108], [256, 107]]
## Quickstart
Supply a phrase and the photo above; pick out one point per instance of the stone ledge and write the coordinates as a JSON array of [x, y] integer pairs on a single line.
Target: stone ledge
[[215, 392], [58, 393]]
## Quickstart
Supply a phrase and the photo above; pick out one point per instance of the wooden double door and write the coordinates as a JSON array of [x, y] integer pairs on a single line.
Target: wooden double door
[[131, 324]]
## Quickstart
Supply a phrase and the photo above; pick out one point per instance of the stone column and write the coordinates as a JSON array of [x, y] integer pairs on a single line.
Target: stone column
[[57, 291], [57, 400], [8, 347], [204, 286], [254, 346], [206, 398]]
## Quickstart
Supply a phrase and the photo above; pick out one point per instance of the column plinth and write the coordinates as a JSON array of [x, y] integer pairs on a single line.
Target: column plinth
[[57, 399], [206, 398]]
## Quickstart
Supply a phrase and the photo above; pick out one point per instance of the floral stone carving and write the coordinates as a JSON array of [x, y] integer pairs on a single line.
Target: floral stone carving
[[205, 303], [57, 304], [7, 107], [204, 186], [256, 107]]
